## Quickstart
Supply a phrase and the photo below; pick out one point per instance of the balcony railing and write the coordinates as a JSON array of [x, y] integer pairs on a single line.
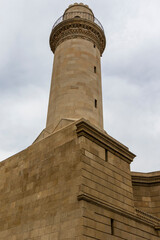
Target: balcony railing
[[83, 15]]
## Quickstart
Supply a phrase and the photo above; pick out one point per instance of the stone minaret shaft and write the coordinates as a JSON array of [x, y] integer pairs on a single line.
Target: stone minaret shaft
[[77, 41]]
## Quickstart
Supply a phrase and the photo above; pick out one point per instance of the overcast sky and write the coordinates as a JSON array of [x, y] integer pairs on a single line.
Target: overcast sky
[[130, 73]]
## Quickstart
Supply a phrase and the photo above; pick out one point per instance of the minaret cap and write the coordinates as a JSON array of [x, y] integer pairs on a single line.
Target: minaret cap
[[78, 7]]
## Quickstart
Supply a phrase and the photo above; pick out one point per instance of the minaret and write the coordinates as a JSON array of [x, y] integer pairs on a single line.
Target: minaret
[[77, 41]]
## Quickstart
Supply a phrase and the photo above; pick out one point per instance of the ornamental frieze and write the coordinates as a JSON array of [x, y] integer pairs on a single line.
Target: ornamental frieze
[[83, 29]]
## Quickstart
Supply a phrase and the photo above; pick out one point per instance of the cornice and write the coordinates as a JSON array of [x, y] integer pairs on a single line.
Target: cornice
[[77, 28], [135, 215], [144, 179], [104, 140], [147, 215]]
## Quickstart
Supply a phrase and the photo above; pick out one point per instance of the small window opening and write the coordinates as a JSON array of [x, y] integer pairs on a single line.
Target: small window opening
[[95, 69], [106, 155], [94, 45], [95, 103], [112, 227]]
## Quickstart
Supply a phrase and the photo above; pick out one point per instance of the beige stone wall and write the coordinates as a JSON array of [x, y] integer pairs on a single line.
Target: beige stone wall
[[109, 181], [38, 191], [146, 189], [62, 188], [97, 225], [75, 86]]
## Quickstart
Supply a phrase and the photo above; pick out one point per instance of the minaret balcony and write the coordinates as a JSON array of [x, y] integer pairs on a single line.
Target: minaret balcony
[[79, 15], [78, 24]]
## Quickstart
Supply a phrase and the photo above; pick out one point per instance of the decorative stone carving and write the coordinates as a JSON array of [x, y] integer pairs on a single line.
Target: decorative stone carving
[[77, 28]]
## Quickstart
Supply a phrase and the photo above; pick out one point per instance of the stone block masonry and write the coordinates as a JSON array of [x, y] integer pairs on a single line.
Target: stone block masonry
[[62, 187]]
